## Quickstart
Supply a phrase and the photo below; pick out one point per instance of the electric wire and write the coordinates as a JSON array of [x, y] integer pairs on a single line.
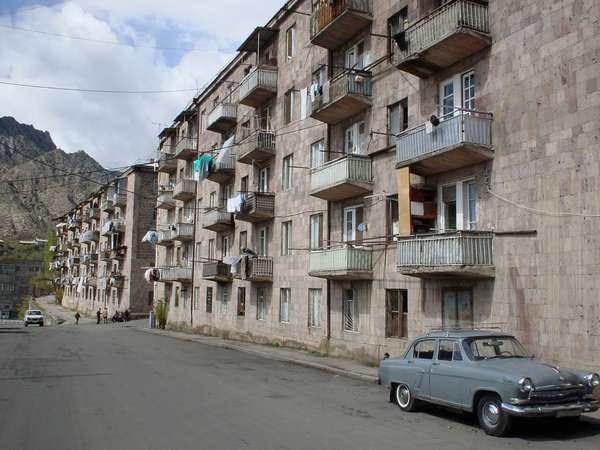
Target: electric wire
[[95, 91]]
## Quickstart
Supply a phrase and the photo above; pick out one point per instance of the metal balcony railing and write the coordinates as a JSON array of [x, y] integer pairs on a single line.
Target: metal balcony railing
[[165, 236], [185, 189], [344, 96], [258, 86], [183, 231], [222, 118], [342, 178], [259, 146], [167, 163], [216, 220], [120, 199], [343, 262], [186, 148], [216, 271], [259, 268], [257, 206], [176, 273], [89, 236], [165, 200], [333, 23]]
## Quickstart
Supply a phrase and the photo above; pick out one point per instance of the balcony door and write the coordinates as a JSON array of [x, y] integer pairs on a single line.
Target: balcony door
[[457, 307], [353, 217], [457, 208], [457, 93], [355, 138], [355, 56]]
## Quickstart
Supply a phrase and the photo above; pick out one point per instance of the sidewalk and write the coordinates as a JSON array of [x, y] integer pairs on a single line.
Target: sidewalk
[[333, 365], [59, 313]]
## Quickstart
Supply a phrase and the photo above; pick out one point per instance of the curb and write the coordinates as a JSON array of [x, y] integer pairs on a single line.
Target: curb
[[299, 362]]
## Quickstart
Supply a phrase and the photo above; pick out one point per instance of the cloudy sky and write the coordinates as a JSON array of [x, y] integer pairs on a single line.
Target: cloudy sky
[[115, 129]]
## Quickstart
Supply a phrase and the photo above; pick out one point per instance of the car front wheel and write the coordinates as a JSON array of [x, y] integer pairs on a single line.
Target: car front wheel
[[492, 419], [404, 398]]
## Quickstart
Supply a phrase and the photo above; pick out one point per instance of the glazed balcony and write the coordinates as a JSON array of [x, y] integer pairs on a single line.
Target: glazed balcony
[[344, 263], [185, 190], [165, 200], [165, 237], [259, 269], [257, 207], [458, 141], [183, 231], [186, 148], [468, 254], [340, 179], [343, 97], [259, 147], [222, 118], [89, 236], [259, 86], [444, 37], [120, 199], [223, 170], [177, 273], [217, 220], [216, 271], [167, 163], [331, 25]]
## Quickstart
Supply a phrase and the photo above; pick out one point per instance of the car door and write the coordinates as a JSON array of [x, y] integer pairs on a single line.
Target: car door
[[423, 357], [448, 374]]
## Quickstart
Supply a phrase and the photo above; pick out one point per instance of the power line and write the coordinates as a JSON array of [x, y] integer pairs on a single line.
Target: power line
[[21, 180], [98, 91]]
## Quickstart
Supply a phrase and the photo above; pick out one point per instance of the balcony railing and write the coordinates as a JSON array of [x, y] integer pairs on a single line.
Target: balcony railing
[[259, 269], [222, 118], [457, 253], [90, 258], [216, 271], [165, 236], [116, 280], [165, 200], [258, 147], [89, 236], [334, 23], [458, 141], [177, 273], [343, 263], [118, 253], [223, 169], [120, 199], [107, 205], [258, 86], [167, 163], [342, 178], [257, 207], [343, 97], [186, 148], [185, 190], [217, 220], [90, 214], [183, 231], [449, 34]]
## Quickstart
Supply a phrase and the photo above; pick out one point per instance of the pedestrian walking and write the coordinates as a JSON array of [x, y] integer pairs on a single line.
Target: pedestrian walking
[[77, 317], [105, 314], [98, 315]]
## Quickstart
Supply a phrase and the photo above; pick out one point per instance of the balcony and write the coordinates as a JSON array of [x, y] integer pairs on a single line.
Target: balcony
[[107, 205], [449, 34], [74, 261], [165, 200], [116, 280], [165, 237], [344, 263], [90, 214], [105, 254], [458, 141], [185, 190], [217, 220], [333, 25], [89, 236], [258, 86], [340, 179], [183, 232], [466, 254], [179, 273], [91, 258], [258, 269], [257, 207], [120, 199], [223, 170], [222, 118], [167, 163], [259, 147], [118, 253], [186, 148], [343, 97], [216, 271]]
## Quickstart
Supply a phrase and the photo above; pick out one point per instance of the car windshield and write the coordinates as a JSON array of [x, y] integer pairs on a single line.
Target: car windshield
[[494, 347], [34, 313]]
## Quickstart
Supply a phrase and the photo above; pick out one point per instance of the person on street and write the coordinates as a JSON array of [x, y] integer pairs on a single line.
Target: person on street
[[77, 317], [98, 315], [105, 315]]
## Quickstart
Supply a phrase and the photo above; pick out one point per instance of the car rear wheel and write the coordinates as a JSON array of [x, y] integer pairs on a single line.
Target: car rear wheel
[[492, 419], [404, 398], [26, 324]]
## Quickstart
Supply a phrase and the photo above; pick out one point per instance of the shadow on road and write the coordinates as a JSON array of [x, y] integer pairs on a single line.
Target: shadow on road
[[12, 331]]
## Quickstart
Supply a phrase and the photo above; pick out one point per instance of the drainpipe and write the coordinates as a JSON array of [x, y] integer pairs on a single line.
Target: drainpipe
[[195, 209], [328, 243]]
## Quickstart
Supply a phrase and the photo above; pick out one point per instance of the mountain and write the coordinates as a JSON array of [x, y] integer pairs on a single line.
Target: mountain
[[34, 182]]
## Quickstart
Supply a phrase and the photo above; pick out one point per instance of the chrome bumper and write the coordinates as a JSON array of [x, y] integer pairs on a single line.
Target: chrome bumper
[[569, 409]]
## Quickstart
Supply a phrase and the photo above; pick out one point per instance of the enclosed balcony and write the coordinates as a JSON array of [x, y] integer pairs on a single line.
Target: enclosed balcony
[[223, 118], [466, 254], [343, 97], [120, 199], [167, 163], [216, 271], [217, 220], [444, 37], [223, 168], [343, 263], [105, 254], [258, 269], [165, 200], [113, 226], [176, 273], [116, 280], [259, 147], [458, 141], [186, 148], [89, 236], [259, 86], [107, 205], [340, 179], [185, 190], [90, 214], [165, 237], [183, 231], [257, 207], [334, 23], [91, 258]]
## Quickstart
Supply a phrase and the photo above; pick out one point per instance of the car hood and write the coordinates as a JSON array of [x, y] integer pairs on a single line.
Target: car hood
[[542, 374]]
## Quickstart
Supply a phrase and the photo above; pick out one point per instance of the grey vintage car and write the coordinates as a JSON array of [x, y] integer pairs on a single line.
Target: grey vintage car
[[487, 373]]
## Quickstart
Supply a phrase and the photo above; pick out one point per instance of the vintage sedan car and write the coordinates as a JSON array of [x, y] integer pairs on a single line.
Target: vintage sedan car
[[487, 373]]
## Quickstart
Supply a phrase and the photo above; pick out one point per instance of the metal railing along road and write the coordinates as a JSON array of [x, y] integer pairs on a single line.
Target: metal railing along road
[[350, 167], [324, 13], [350, 259]]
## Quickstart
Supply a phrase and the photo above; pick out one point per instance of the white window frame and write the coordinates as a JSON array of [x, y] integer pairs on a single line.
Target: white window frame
[[314, 308], [317, 154], [354, 210], [286, 238], [290, 38], [350, 306], [211, 249], [353, 58], [263, 179], [225, 246], [354, 141], [285, 298], [459, 98], [261, 303], [315, 240], [263, 241], [463, 221], [287, 172]]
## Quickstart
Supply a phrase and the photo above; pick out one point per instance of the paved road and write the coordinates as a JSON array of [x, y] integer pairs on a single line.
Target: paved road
[[112, 387]]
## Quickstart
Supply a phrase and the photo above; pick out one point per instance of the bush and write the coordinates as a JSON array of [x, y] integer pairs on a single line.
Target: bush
[[161, 311]]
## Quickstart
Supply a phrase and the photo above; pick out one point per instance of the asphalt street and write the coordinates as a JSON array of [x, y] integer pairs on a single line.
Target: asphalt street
[[113, 387]]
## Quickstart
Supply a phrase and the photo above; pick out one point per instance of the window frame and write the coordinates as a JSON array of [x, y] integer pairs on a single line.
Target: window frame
[[287, 174], [314, 317], [401, 312], [286, 238], [351, 305], [285, 299]]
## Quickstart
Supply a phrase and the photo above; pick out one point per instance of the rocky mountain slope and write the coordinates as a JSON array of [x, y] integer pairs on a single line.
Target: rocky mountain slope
[[34, 187]]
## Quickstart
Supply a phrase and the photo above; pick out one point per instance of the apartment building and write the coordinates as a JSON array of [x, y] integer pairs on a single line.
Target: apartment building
[[363, 171], [100, 255]]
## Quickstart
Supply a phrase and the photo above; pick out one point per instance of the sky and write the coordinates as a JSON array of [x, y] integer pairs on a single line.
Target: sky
[[116, 129]]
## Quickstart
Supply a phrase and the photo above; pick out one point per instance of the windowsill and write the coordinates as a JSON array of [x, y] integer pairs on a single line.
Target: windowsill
[[281, 322], [397, 338], [351, 332]]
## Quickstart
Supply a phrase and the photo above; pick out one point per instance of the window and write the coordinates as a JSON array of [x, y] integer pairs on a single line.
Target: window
[[468, 89], [355, 56], [225, 246], [177, 296], [261, 303], [317, 154], [241, 302], [196, 298], [396, 313], [211, 249], [212, 200], [316, 232], [209, 300], [286, 238], [314, 308], [244, 184], [243, 241], [424, 349], [457, 307], [263, 179], [350, 307], [457, 93], [353, 217], [397, 120], [447, 98], [288, 106], [449, 351], [319, 76], [286, 179], [392, 228], [224, 297], [284, 305], [263, 242], [355, 138], [458, 206], [396, 24], [290, 42], [471, 196]]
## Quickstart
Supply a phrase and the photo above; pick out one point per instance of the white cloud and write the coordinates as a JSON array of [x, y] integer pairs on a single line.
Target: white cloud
[[116, 129]]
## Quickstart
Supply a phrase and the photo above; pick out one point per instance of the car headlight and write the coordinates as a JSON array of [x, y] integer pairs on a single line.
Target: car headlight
[[526, 385], [593, 380]]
